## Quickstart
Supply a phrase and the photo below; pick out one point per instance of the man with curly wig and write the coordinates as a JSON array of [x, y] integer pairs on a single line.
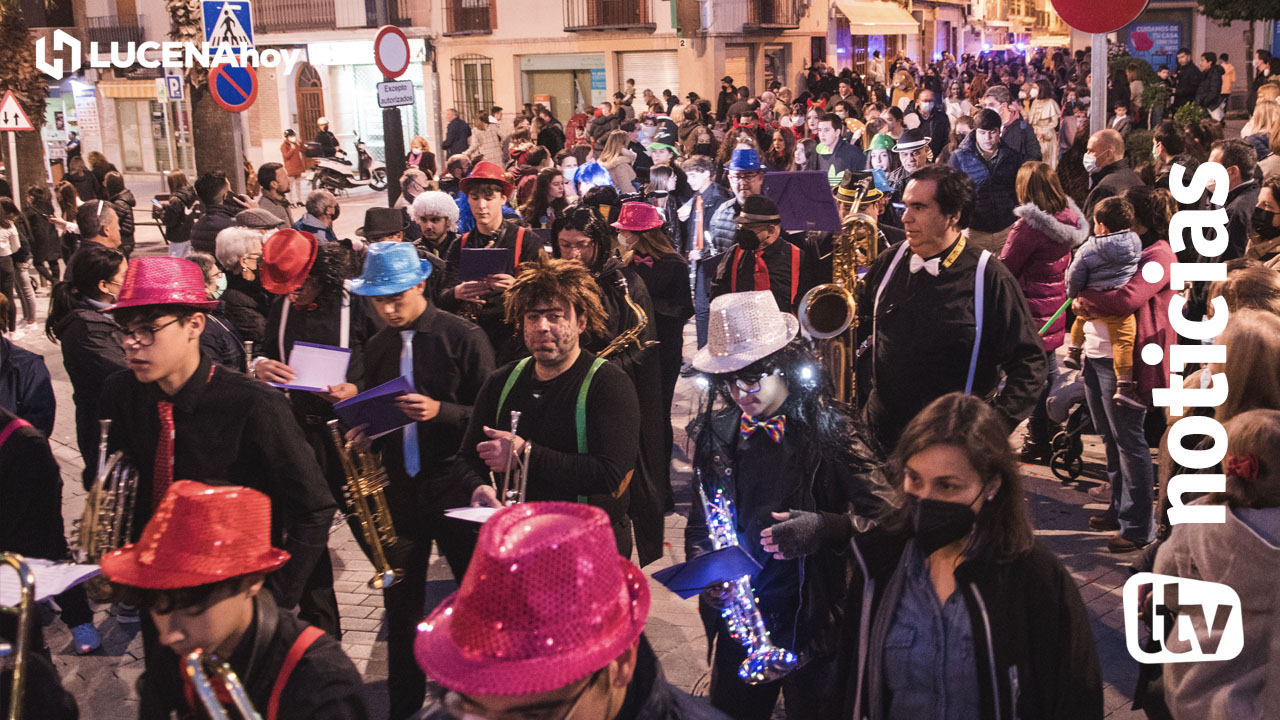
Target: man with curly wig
[[579, 416]]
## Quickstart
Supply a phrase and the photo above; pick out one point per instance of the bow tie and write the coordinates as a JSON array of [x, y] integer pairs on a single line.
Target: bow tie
[[774, 427], [933, 267], [642, 260], [305, 308]]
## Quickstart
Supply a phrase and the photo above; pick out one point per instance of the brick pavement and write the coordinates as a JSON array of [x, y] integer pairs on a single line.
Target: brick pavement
[[104, 681]]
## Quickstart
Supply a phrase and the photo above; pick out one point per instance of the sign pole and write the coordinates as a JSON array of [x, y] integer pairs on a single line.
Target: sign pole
[[393, 146], [237, 142], [1098, 85], [13, 168]]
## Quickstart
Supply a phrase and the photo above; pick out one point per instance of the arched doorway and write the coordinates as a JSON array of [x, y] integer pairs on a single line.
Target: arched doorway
[[310, 97]]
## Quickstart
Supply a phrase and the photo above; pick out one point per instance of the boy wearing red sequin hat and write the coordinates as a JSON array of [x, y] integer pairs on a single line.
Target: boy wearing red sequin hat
[[549, 622], [198, 571]]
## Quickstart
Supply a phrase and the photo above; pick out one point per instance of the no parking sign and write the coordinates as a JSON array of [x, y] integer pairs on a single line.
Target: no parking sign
[[234, 87]]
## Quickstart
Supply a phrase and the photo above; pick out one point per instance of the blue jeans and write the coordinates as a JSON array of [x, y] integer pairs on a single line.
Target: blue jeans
[[702, 302], [1129, 467], [1041, 411]]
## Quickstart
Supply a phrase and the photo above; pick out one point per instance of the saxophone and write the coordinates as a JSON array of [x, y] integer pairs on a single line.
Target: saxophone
[[365, 494], [829, 312], [765, 661], [632, 334]]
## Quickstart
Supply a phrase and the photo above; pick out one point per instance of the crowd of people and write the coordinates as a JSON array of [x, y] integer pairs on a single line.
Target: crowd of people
[[528, 295]]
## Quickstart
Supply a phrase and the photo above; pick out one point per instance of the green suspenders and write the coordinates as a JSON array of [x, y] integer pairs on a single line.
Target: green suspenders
[[580, 413]]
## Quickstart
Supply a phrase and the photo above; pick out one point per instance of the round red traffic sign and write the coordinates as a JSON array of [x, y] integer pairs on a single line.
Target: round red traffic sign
[[391, 51], [1096, 17], [234, 87]]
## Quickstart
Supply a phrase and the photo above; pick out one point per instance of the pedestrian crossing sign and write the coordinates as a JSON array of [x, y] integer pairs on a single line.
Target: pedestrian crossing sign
[[12, 116], [228, 22]]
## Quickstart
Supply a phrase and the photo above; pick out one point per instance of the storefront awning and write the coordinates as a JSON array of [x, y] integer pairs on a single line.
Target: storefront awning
[[873, 17], [134, 90]]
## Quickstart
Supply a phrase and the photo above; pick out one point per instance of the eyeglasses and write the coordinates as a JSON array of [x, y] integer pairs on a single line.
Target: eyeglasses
[[143, 336], [458, 705], [748, 383]]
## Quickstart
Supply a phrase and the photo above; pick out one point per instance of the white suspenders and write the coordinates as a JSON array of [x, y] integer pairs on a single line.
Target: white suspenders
[[344, 322]]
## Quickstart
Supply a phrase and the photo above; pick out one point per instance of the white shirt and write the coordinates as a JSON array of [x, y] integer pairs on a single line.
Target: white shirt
[[1097, 341], [9, 242]]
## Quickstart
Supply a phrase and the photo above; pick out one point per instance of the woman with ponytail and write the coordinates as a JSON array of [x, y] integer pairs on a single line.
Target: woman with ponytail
[[89, 352]]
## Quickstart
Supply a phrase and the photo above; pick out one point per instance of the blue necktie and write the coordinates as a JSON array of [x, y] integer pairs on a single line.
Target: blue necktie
[[411, 464]]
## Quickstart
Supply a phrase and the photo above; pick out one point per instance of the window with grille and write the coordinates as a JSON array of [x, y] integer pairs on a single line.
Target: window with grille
[[473, 86]]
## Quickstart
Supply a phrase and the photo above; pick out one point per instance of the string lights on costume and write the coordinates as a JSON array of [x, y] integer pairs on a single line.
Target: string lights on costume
[[765, 661]]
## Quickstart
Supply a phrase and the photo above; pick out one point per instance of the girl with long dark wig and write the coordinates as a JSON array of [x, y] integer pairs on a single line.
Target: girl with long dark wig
[[548, 199]]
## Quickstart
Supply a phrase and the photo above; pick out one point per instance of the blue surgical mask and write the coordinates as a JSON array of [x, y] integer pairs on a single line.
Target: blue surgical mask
[[221, 285]]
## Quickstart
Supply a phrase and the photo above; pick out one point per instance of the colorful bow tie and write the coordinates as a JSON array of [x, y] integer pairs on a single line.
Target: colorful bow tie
[[642, 260], [774, 427], [933, 267]]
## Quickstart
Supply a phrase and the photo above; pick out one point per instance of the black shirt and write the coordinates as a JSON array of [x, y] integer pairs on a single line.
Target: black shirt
[[924, 333], [548, 407], [779, 258], [452, 359], [491, 315], [228, 430]]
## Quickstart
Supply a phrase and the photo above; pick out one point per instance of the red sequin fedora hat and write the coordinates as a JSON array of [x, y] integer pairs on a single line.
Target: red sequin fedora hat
[[163, 281], [546, 601], [486, 172], [200, 534], [287, 257], [638, 217]]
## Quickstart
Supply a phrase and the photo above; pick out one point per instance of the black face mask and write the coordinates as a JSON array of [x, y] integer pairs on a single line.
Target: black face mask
[[1263, 224], [337, 210], [936, 524], [746, 239], [702, 149]]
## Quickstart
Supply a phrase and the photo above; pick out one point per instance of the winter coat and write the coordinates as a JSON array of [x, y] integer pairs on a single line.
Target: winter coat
[[1235, 554], [46, 246], [552, 138], [245, 304], [456, 137], [179, 216], [1021, 136], [90, 355], [687, 136], [294, 163], [600, 127], [215, 219], [123, 203], [1037, 252], [622, 172], [1032, 645], [1209, 92], [1188, 85], [936, 127], [995, 179], [487, 144], [713, 196], [25, 387], [86, 185], [1110, 181], [1104, 262]]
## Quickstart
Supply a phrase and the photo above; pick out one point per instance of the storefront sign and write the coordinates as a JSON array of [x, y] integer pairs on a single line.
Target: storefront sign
[[1157, 43]]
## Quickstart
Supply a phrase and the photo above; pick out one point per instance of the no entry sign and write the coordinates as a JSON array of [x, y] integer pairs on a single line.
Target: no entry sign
[[1096, 17], [234, 87], [391, 51]]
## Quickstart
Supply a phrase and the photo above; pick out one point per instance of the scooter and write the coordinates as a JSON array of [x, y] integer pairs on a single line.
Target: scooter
[[337, 175]]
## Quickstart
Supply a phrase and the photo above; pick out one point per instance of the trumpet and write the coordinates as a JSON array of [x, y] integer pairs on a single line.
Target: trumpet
[[108, 513], [14, 655], [195, 666], [365, 494], [514, 494]]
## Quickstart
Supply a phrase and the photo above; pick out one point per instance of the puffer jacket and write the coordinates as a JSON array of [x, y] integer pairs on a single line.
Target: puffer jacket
[[995, 180], [1038, 252], [123, 203], [1104, 262]]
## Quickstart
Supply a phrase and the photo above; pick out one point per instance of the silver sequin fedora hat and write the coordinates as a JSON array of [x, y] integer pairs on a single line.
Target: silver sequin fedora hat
[[744, 327]]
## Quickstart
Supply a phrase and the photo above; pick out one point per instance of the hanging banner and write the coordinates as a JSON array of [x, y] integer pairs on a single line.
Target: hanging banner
[[1157, 43]]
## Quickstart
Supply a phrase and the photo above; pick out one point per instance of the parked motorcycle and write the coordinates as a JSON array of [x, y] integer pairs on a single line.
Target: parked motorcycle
[[337, 174]]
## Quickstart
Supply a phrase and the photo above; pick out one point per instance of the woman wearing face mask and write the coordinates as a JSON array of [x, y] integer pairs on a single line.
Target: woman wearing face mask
[[220, 339], [245, 302], [1264, 238], [89, 352], [1044, 117], [954, 578], [421, 157]]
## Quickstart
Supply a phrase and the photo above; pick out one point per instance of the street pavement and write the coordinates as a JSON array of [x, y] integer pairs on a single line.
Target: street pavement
[[104, 681]]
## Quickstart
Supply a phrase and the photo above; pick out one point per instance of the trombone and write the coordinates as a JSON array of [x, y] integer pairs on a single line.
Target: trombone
[[513, 494], [15, 655], [195, 665]]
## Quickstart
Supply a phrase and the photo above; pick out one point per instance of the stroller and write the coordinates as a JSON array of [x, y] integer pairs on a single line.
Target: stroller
[[1067, 461]]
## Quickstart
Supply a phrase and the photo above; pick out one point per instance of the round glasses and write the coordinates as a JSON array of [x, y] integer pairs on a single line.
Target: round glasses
[[143, 336]]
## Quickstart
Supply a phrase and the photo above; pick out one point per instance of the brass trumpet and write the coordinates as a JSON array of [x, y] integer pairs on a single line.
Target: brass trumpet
[[514, 494], [195, 665], [365, 494], [14, 655]]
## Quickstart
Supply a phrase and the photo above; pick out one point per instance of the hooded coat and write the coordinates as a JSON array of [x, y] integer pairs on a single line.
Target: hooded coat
[[1038, 252], [1104, 262]]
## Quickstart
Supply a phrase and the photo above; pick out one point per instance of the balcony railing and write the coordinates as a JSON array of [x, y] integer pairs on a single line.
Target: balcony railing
[[772, 15], [582, 15], [114, 28], [407, 13], [468, 17], [284, 15], [39, 14]]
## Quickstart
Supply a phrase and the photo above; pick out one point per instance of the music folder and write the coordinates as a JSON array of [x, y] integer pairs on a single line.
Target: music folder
[[689, 578]]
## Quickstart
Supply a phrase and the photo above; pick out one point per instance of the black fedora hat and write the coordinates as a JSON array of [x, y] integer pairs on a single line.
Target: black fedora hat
[[380, 222], [758, 210], [911, 140]]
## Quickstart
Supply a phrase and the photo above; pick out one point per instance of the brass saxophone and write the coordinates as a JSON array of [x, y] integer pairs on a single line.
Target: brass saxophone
[[829, 312], [108, 511], [365, 494], [15, 657], [197, 668], [632, 334]]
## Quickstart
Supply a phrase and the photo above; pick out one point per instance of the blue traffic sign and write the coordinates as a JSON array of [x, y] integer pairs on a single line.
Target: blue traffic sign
[[233, 87], [174, 87], [228, 22]]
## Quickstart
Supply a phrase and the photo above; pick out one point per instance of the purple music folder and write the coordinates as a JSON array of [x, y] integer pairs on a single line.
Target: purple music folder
[[804, 200], [689, 578], [376, 407]]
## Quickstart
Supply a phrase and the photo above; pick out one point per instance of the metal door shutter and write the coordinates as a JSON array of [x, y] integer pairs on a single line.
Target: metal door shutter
[[737, 65], [656, 71]]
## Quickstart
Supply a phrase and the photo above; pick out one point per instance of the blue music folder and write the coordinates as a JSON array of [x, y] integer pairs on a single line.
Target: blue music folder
[[689, 578], [376, 407], [804, 200]]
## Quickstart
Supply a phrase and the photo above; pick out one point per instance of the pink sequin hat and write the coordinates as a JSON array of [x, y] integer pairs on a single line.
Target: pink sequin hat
[[546, 601], [638, 217], [163, 281], [744, 327], [200, 534]]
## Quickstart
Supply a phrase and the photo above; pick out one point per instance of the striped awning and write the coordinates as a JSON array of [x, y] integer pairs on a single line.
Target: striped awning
[[128, 90]]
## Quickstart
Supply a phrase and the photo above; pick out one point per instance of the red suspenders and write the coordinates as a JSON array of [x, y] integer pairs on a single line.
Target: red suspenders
[[795, 270], [300, 646], [515, 263]]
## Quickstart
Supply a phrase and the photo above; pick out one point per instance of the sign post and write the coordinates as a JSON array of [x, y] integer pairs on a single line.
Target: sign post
[[230, 23], [13, 120], [391, 55], [1099, 19]]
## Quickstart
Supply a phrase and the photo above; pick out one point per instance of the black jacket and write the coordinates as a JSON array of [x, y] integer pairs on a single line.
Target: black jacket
[[995, 182], [213, 220], [936, 127], [324, 685], [713, 196], [179, 216], [86, 185], [328, 143], [1110, 181], [245, 304], [90, 355], [1031, 637], [1209, 93], [123, 203], [844, 156], [1188, 85], [30, 493], [551, 137], [456, 137], [222, 342], [46, 246], [25, 387]]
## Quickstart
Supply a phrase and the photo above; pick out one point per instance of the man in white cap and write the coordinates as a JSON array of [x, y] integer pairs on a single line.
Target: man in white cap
[[327, 140], [770, 440], [914, 152]]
